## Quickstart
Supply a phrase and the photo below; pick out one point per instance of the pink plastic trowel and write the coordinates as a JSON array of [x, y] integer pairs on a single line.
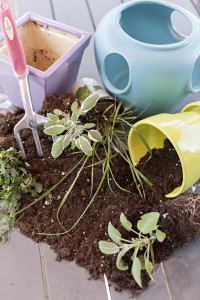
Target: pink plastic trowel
[[14, 46]]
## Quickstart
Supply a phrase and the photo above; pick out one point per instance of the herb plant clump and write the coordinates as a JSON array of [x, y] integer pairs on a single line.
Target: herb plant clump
[[15, 180], [141, 244], [67, 129]]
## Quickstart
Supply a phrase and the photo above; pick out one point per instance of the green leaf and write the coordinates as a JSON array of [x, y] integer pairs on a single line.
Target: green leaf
[[83, 92], [4, 219], [2, 239], [142, 261], [66, 140], [4, 204], [136, 271], [95, 135], [160, 235], [74, 106], [89, 125], [52, 117], [89, 103], [38, 187], [87, 138], [73, 145], [57, 147], [3, 229], [125, 223], [78, 144], [49, 124], [121, 265], [80, 128], [54, 130], [114, 234], [85, 146], [149, 268], [108, 247], [74, 117], [148, 222], [57, 112]]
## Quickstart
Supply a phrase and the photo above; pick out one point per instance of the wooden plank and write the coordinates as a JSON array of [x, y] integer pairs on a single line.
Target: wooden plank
[[67, 281], [20, 275], [42, 7], [75, 13], [98, 11]]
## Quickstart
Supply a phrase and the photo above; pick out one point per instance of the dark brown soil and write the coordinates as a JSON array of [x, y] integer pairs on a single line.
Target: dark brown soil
[[179, 217]]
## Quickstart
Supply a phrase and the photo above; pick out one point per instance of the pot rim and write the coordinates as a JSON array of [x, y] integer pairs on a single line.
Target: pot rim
[[82, 43], [189, 16]]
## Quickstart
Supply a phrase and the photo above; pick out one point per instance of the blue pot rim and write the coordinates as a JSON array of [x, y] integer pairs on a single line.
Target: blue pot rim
[[189, 16]]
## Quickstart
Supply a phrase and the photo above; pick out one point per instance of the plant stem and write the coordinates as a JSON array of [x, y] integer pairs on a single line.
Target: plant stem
[[51, 189], [70, 189]]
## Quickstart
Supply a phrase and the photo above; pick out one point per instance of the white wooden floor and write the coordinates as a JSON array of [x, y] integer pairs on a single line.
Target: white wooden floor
[[28, 271]]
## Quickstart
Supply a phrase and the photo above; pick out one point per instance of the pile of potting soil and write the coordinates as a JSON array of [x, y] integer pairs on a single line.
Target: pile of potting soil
[[178, 217]]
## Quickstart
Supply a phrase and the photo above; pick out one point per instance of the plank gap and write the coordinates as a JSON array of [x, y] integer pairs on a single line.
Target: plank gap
[[52, 10], [90, 13], [167, 281], [44, 278], [196, 4]]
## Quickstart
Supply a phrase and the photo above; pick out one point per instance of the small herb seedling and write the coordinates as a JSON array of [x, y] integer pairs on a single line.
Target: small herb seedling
[[15, 180], [142, 245], [67, 129]]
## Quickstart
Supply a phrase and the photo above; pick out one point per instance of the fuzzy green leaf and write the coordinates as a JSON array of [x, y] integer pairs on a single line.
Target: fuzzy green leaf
[[148, 222], [57, 112], [136, 271], [121, 265], [74, 117], [89, 125], [160, 235], [49, 124], [108, 247], [85, 146], [74, 106], [125, 223], [52, 117], [73, 145], [80, 128], [54, 130], [149, 268], [87, 138], [57, 147], [89, 103], [114, 234], [78, 144], [95, 135], [66, 140], [3, 229]]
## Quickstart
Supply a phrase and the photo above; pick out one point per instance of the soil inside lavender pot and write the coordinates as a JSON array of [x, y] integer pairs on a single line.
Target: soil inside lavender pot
[[163, 170]]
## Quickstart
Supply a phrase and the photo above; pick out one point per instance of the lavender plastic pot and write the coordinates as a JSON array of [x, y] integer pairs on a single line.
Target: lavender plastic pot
[[53, 54]]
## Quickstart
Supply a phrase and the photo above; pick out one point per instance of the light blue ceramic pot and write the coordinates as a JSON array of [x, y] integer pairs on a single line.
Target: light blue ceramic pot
[[144, 60]]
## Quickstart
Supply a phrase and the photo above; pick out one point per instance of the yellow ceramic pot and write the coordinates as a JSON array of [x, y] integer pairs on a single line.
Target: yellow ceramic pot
[[183, 131]]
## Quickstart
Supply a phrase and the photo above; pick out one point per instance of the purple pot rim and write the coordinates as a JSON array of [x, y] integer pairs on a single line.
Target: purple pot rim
[[81, 44]]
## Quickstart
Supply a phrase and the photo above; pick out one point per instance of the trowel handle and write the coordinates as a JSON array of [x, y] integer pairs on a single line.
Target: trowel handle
[[12, 39]]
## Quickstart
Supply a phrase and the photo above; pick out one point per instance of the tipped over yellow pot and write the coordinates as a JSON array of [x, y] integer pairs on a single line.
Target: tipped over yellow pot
[[183, 131]]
